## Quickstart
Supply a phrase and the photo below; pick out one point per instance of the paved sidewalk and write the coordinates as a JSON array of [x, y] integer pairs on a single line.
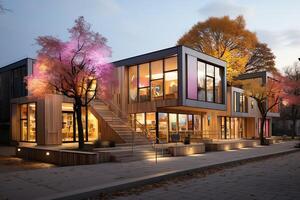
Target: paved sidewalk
[[269, 179], [67, 181]]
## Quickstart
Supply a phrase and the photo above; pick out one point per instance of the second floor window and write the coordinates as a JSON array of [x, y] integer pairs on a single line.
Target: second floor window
[[239, 102], [204, 81], [153, 80]]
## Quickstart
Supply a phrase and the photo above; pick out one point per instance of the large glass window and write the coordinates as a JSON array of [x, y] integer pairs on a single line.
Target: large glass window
[[183, 122], [201, 81], [163, 126], [208, 78], [151, 124], [173, 123], [197, 124], [144, 94], [171, 85], [132, 84], [157, 89], [210, 89], [140, 118], [239, 102], [144, 75], [69, 124], [157, 79], [28, 122], [157, 70], [218, 86], [171, 63], [144, 82]]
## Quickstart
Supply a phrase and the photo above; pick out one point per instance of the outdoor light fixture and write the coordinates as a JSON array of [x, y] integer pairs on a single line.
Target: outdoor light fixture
[[47, 153], [19, 149]]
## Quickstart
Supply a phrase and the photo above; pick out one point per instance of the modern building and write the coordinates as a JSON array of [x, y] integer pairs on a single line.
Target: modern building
[[12, 85], [165, 96]]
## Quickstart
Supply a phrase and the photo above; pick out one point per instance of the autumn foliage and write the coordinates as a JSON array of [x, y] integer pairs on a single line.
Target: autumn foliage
[[229, 40]]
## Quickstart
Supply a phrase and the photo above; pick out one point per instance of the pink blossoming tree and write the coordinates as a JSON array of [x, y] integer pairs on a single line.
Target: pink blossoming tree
[[77, 68], [292, 95]]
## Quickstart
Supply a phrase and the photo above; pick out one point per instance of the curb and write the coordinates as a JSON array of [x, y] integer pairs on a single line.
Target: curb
[[135, 182]]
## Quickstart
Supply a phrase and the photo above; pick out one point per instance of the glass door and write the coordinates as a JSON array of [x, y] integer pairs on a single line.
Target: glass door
[[67, 127], [163, 127]]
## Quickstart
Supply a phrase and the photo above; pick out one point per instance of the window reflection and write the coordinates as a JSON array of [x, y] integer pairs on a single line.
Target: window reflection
[[144, 94], [156, 70], [163, 126], [132, 84], [156, 79], [171, 85], [201, 81], [183, 123], [210, 89], [144, 75], [140, 118], [171, 63], [70, 127], [157, 89]]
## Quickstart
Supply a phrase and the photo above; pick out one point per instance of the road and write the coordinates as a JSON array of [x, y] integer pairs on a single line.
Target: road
[[275, 178]]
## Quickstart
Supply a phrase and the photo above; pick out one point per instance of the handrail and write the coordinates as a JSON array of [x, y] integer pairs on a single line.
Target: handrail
[[141, 126], [121, 115]]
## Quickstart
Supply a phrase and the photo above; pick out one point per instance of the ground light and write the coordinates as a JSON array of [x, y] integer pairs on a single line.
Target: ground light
[[19, 149], [47, 153]]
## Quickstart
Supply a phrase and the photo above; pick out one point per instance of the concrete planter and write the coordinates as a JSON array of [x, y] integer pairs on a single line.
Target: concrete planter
[[62, 157], [184, 150]]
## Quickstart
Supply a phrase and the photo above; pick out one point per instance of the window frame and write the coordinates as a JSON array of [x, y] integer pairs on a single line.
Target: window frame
[[164, 71], [221, 70], [26, 119]]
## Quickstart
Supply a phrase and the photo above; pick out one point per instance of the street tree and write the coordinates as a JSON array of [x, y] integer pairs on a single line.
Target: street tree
[[291, 110], [267, 96], [77, 68]]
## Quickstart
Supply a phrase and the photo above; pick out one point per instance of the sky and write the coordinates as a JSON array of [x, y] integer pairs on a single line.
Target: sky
[[134, 27]]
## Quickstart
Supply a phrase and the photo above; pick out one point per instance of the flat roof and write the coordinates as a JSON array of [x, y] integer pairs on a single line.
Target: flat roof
[[15, 64], [146, 57]]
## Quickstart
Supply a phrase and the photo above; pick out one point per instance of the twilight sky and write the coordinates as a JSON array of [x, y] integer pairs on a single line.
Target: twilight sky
[[134, 27]]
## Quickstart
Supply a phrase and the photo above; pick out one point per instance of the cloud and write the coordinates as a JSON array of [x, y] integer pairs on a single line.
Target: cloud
[[221, 8], [279, 39]]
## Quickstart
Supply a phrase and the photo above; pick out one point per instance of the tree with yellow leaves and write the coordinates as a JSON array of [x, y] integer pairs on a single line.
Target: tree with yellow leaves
[[229, 40]]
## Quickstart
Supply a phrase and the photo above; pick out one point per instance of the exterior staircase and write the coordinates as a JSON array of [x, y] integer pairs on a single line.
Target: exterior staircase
[[120, 126]]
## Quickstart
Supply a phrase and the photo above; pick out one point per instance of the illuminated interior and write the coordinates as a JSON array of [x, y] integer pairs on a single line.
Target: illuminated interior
[[69, 133], [28, 122], [153, 81], [169, 124]]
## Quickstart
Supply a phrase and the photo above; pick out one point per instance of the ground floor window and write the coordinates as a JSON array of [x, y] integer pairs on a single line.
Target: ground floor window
[[28, 122], [170, 126], [69, 124], [232, 127]]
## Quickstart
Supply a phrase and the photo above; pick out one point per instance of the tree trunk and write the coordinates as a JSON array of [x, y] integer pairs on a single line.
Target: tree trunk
[[261, 132], [78, 105]]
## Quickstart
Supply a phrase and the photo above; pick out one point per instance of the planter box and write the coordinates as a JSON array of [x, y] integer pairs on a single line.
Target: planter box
[[184, 150], [62, 157], [228, 145]]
